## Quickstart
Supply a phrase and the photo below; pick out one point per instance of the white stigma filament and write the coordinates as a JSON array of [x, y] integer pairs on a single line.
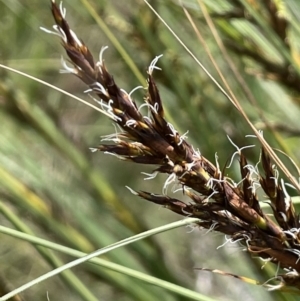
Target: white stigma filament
[[153, 63]]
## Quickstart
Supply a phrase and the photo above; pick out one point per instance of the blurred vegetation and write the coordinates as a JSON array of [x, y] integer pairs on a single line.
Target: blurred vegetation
[[57, 189]]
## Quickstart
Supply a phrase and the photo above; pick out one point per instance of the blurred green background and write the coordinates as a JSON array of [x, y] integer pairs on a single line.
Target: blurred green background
[[57, 189]]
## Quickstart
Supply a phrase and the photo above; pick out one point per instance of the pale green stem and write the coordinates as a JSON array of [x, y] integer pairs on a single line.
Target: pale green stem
[[90, 257]]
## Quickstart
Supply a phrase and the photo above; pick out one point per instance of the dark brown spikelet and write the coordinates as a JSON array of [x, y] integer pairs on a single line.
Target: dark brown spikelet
[[218, 203]]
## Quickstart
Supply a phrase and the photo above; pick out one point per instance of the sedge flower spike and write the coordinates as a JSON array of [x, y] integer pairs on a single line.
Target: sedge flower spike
[[216, 200]]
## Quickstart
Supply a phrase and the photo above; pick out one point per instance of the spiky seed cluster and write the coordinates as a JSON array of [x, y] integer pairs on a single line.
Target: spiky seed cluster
[[219, 204]]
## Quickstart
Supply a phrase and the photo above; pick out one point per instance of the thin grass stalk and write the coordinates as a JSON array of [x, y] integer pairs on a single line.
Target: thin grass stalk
[[248, 93], [69, 234], [67, 276], [91, 258]]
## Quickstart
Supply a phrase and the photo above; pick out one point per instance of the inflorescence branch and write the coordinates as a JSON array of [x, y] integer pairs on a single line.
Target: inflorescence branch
[[219, 203]]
